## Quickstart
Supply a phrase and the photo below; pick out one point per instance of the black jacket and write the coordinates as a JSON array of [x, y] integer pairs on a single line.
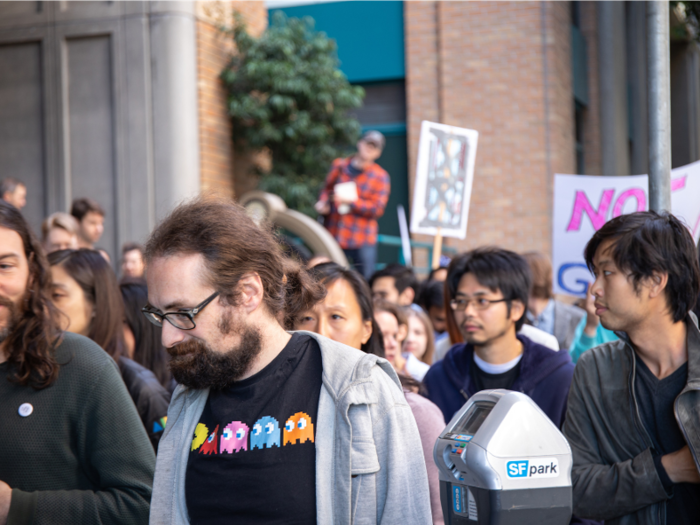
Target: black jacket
[[613, 475], [149, 396]]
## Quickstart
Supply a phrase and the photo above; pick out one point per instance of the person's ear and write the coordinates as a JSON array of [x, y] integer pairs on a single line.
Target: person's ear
[[251, 291], [517, 310], [406, 297], [657, 284], [366, 330]]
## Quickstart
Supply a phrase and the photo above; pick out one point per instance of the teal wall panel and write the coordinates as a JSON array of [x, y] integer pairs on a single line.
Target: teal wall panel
[[369, 36]]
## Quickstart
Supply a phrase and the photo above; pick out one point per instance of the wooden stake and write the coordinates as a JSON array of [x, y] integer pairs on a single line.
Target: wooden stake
[[437, 241]]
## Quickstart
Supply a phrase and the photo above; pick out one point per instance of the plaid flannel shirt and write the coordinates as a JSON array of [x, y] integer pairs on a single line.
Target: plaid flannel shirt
[[358, 227]]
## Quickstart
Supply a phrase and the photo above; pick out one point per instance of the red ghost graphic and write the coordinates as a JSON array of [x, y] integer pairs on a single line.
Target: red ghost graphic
[[209, 446]]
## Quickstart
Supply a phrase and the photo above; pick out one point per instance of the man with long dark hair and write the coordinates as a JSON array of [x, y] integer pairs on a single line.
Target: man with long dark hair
[[633, 418], [72, 448], [267, 426]]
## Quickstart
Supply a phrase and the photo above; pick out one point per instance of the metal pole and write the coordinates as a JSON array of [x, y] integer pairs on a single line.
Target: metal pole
[[659, 92]]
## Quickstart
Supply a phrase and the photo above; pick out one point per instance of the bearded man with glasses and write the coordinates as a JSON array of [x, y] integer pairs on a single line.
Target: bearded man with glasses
[[267, 426], [488, 292]]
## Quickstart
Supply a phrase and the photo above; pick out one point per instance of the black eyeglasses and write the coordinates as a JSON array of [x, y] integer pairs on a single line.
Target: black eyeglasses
[[461, 305], [182, 319]]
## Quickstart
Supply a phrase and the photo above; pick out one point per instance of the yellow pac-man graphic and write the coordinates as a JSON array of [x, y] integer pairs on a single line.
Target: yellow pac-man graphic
[[200, 435]]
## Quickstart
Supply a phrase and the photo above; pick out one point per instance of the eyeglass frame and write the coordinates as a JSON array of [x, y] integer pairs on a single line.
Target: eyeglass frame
[[190, 313], [469, 301]]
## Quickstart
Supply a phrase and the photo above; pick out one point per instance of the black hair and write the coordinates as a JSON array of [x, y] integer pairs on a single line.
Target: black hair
[[9, 185], [328, 273], [432, 273], [131, 246], [432, 294], [149, 351], [403, 276], [648, 242], [497, 269], [81, 207]]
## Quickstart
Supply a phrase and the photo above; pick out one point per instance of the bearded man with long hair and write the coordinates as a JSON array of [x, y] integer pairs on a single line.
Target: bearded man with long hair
[[267, 426], [72, 446]]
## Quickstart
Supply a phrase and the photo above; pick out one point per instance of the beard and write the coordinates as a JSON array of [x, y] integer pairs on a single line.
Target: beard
[[13, 315], [195, 365]]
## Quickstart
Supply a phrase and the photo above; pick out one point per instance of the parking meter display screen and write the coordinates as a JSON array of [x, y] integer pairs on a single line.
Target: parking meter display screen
[[474, 418]]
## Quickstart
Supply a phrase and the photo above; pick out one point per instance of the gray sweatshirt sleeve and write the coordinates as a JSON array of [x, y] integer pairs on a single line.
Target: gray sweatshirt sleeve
[[402, 480], [602, 490]]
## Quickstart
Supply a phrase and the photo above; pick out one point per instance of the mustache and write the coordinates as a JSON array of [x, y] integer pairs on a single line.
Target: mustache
[[186, 348]]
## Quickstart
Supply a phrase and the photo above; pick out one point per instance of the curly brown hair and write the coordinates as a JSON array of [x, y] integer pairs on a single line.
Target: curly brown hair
[[31, 342]]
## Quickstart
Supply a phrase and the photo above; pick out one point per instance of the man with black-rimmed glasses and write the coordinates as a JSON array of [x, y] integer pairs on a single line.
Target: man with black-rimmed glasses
[[488, 290]]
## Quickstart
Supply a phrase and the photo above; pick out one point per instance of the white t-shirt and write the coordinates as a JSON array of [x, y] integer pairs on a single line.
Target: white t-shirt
[[415, 367]]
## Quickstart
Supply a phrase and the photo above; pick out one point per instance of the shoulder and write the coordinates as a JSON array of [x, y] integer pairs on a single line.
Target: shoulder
[[603, 360], [340, 162], [345, 367], [378, 172], [77, 354], [139, 380], [570, 309], [539, 336], [424, 410]]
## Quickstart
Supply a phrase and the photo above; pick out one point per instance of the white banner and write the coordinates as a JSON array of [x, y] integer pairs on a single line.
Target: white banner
[[583, 204], [444, 178]]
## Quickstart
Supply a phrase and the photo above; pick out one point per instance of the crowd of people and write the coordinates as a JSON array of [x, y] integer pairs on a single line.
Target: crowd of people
[[220, 378]]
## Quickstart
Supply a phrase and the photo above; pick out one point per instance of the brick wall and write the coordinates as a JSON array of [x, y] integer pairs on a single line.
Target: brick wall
[[491, 62], [219, 161]]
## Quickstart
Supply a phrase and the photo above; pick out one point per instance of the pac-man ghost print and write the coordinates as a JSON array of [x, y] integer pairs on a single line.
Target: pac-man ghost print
[[234, 438], [298, 428], [265, 433], [209, 446]]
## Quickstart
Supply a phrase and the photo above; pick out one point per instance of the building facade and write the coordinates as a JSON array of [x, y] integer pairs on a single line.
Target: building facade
[[122, 101], [551, 87], [117, 101]]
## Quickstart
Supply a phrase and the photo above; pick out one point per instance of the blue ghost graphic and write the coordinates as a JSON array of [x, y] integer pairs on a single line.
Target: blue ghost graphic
[[266, 431]]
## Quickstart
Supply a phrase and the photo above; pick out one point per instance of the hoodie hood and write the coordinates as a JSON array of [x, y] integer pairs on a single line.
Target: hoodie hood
[[538, 363]]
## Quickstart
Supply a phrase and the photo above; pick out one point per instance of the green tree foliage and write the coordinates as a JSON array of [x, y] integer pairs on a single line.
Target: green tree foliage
[[685, 21], [287, 95]]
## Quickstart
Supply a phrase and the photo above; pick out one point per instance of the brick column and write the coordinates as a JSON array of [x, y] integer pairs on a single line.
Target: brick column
[[219, 163]]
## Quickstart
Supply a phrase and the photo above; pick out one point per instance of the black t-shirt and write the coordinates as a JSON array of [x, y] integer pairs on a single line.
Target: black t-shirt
[[655, 398], [253, 457], [485, 381]]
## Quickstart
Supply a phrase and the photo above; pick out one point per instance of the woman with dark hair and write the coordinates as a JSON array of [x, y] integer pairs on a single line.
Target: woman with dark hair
[[346, 315], [71, 446], [85, 290], [142, 339]]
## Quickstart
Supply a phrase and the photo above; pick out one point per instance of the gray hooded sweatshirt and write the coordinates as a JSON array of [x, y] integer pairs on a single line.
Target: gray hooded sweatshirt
[[369, 461]]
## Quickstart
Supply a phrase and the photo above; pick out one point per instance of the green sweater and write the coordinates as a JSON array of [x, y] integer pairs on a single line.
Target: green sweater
[[82, 455]]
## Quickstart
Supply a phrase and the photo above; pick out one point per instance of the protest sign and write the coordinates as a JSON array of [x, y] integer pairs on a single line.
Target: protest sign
[[583, 204], [443, 183]]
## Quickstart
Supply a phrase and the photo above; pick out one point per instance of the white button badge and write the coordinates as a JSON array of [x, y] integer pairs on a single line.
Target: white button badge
[[25, 409]]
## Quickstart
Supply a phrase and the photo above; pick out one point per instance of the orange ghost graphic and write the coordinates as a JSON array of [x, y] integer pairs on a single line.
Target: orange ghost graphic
[[298, 428]]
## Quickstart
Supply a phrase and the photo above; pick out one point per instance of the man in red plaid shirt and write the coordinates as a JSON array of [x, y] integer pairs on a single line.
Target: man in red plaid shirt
[[352, 219]]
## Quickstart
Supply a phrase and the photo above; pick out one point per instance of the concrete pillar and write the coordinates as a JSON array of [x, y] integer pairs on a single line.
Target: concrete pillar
[[175, 122], [613, 88]]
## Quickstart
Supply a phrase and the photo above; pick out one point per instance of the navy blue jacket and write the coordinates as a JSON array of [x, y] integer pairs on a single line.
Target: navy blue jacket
[[545, 376]]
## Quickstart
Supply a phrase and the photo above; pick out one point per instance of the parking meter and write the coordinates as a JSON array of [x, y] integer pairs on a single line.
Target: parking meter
[[501, 462]]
